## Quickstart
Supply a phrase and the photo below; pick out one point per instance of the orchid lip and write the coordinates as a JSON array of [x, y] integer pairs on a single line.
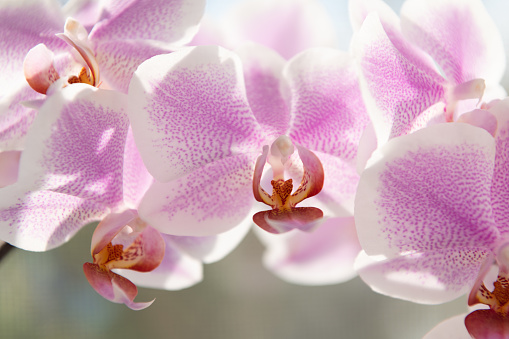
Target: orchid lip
[[284, 214]]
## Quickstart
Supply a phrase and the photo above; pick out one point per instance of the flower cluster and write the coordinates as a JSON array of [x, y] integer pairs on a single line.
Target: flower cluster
[[178, 139]]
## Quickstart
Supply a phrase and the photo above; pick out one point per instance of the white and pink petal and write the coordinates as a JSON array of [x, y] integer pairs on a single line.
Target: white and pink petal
[[327, 112], [189, 108], [211, 200], [174, 21], [431, 277], [324, 256], [460, 36], [428, 190]]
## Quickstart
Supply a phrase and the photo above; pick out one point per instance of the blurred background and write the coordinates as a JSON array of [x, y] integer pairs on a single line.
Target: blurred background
[[45, 295]]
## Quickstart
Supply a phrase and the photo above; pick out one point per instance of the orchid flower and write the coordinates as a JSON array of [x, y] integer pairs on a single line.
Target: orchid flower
[[431, 216], [122, 36], [286, 26], [127, 252], [424, 67], [201, 119]]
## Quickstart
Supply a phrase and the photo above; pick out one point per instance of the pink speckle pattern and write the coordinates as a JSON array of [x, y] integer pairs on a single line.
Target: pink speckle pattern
[[459, 35], [71, 171], [262, 76], [136, 179], [327, 112], [72, 151], [208, 201], [398, 89], [118, 60], [500, 187], [430, 277], [169, 21], [16, 119], [436, 197], [194, 114]]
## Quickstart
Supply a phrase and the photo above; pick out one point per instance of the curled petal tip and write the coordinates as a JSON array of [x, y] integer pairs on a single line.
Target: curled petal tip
[[39, 70]]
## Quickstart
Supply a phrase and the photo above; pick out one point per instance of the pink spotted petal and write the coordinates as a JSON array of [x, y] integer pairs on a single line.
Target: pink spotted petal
[[324, 256], [70, 173], [188, 109], [339, 186], [390, 21], [286, 26], [452, 328], [176, 271], [459, 34], [113, 287], [9, 166], [426, 191], [208, 201], [39, 70], [328, 114], [119, 59], [136, 179], [264, 87], [500, 188], [213, 248], [172, 22], [431, 277], [108, 228], [305, 219], [487, 324], [396, 89], [16, 118]]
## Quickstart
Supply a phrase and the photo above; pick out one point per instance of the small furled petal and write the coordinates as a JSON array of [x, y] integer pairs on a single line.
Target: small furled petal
[[429, 190], [430, 277], [259, 193], [313, 177], [286, 26], [452, 328], [176, 271], [263, 70], [459, 35], [328, 114], [108, 228], [276, 221], [174, 21], [77, 37], [324, 256], [39, 70], [113, 287], [188, 109], [396, 89], [487, 324], [208, 201]]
